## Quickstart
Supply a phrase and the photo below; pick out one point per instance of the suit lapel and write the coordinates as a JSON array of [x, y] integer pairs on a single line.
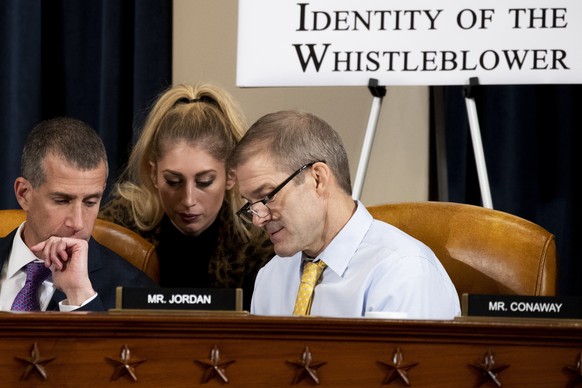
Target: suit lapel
[[95, 263], [5, 247]]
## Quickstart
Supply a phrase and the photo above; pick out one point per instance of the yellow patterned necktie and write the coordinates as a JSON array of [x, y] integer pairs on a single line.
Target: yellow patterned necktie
[[311, 274]]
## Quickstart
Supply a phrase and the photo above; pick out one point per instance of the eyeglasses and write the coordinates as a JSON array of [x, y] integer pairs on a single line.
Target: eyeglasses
[[260, 208]]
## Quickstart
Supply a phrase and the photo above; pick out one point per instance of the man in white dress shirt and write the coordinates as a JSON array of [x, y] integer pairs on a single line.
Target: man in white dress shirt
[[64, 172], [293, 170]]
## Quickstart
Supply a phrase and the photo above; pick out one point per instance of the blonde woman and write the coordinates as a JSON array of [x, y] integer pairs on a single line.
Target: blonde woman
[[177, 192]]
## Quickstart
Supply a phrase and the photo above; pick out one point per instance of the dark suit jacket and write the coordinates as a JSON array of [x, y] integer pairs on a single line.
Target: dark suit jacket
[[107, 270]]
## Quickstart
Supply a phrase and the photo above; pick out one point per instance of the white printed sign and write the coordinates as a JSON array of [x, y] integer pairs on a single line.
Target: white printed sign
[[408, 42]]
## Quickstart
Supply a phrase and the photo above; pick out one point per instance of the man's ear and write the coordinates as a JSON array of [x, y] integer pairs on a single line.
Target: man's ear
[[230, 179], [23, 190], [322, 175]]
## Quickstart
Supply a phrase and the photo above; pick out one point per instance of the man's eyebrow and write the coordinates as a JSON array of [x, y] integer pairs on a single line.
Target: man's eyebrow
[[259, 191], [70, 196], [62, 195], [94, 195]]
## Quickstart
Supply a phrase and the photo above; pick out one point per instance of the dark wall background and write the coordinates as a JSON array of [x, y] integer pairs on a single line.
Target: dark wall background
[[100, 61], [531, 141]]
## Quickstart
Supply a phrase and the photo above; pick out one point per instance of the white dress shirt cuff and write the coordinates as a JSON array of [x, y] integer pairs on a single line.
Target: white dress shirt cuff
[[64, 306]]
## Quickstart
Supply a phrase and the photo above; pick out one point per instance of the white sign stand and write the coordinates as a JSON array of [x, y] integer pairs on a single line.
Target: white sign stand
[[477, 144], [378, 92]]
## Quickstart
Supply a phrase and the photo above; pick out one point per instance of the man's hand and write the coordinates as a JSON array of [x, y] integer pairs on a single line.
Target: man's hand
[[67, 258]]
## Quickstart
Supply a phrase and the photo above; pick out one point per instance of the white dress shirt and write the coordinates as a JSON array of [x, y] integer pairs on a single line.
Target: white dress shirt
[[13, 277], [371, 267]]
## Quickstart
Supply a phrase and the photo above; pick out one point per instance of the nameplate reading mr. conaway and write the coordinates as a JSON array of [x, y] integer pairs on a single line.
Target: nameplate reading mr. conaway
[[522, 306], [214, 299]]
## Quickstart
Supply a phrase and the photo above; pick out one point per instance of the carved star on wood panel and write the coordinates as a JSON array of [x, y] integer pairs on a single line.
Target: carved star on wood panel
[[35, 363], [214, 366], [306, 367], [125, 366], [398, 369], [577, 371], [488, 371]]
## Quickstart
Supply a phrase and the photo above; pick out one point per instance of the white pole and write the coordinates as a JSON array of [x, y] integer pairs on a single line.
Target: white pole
[[378, 92], [478, 151]]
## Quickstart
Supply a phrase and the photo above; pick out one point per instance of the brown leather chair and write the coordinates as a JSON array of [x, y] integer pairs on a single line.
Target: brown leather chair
[[127, 244], [484, 251]]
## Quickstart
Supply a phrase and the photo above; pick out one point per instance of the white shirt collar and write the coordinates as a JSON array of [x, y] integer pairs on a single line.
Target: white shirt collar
[[20, 254], [341, 249]]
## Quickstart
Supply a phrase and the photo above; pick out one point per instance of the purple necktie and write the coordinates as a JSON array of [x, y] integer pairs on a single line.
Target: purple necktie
[[28, 299]]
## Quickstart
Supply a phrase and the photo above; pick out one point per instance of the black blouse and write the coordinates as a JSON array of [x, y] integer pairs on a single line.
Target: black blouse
[[186, 258]]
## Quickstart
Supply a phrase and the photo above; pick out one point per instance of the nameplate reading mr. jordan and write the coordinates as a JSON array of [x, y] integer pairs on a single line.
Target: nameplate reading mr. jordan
[[179, 299]]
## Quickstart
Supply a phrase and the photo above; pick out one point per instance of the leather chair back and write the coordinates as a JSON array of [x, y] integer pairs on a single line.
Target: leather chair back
[[126, 243], [484, 251]]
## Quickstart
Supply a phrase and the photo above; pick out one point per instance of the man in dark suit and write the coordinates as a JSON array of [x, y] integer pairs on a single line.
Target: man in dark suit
[[63, 177]]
